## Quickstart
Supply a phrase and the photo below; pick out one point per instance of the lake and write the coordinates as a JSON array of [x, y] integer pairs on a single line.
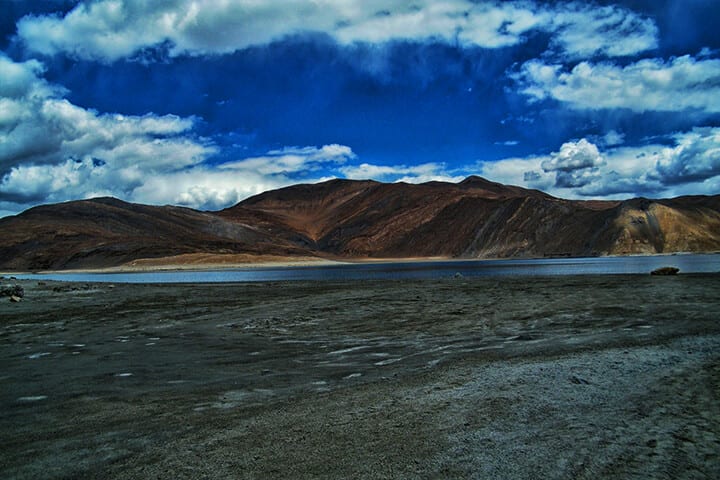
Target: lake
[[690, 263]]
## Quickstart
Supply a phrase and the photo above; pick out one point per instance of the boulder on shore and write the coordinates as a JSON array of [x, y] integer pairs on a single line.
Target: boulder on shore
[[665, 271], [12, 291]]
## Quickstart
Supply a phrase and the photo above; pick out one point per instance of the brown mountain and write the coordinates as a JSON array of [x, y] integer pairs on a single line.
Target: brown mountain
[[105, 232], [361, 219]]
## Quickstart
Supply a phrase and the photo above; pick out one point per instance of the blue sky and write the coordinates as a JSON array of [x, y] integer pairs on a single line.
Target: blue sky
[[204, 103]]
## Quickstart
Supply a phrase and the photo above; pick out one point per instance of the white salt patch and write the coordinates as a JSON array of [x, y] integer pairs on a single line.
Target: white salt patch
[[77, 345], [335, 364], [176, 381], [348, 350], [35, 398], [388, 361], [127, 374], [321, 382], [150, 344], [154, 339], [254, 353], [38, 355], [489, 347], [353, 375]]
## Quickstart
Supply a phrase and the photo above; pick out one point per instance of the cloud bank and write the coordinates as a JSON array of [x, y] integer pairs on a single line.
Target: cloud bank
[[682, 83], [108, 30], [52, 150], [690, 165]]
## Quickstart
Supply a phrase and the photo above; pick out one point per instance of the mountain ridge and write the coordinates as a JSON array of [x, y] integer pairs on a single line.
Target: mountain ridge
[[361, 219]]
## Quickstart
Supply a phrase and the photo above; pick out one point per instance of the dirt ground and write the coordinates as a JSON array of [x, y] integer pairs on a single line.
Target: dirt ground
[[579, 377]]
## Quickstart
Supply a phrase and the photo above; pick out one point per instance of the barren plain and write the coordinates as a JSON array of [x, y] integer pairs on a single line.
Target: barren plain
[[516, 377]]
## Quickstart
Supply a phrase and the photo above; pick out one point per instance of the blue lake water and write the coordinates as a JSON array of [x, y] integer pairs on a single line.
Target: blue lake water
[[410, 270]]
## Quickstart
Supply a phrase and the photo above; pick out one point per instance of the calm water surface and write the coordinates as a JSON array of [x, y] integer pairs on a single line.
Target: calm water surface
[[410, 270]]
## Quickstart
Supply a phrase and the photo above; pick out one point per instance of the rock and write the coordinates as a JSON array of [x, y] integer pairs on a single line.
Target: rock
[[665, 271], [579, 381], [14, 298], [459, 275], [12, 291]]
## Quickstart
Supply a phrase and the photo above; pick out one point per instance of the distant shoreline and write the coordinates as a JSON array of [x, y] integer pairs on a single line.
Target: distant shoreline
[[213, 262]]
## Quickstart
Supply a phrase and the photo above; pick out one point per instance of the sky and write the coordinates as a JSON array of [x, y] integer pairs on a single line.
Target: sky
[[205, 103]]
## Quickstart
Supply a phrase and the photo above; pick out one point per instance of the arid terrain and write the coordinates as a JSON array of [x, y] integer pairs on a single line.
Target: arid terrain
[[517, 377], [356, 220]]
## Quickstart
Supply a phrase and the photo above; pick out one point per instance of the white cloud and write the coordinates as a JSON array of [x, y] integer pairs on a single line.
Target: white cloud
[[585, 30], [679, 84], [580, 170], [52, 150], [518, 171], [216, 187], [108, 30], [426, 172], [575, 165], [612, 138], [206, 188], [293, 159], [696, 157], [573, 156]]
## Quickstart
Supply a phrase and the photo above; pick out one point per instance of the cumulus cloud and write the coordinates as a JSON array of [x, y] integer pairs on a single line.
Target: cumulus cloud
[[52, 150], [574, 156], [696, 157], [575, 165], [206, 188], [108, 30], [680, 84], [580, 170]]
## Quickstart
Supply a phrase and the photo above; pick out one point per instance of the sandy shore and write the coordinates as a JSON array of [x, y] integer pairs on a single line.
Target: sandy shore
[[559, 377]]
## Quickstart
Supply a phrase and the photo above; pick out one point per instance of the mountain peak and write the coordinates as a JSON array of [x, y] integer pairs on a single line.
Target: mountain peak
[[480, 183]]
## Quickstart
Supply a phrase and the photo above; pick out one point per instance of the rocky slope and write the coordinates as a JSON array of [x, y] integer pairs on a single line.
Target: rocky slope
[[361, 219], [477, 218]]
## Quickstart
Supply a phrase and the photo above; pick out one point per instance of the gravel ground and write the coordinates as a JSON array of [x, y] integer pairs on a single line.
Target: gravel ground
[[557, 377]]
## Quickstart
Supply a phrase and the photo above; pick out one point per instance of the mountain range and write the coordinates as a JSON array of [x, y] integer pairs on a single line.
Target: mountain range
[[348, 219]]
